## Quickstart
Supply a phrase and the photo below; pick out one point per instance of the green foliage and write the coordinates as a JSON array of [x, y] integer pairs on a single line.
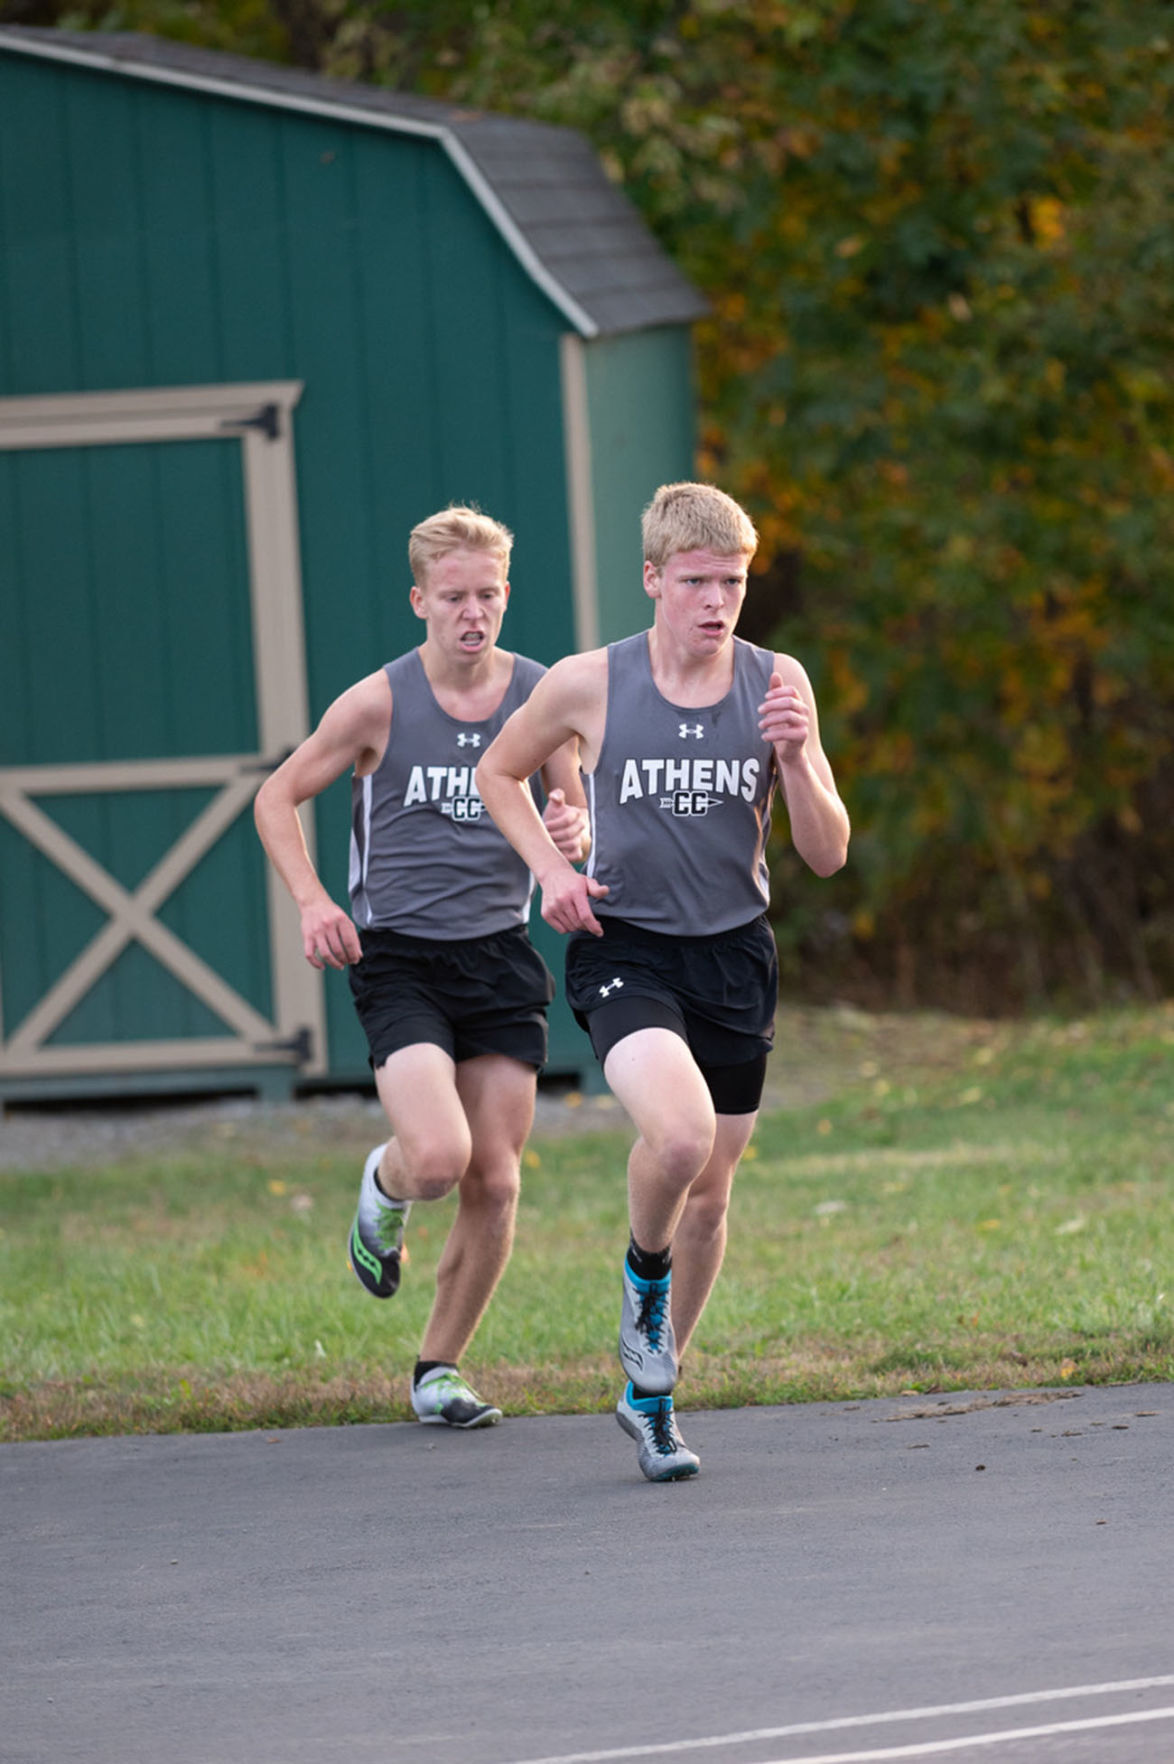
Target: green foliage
[[935, 235], [937, 245], [243, 27]]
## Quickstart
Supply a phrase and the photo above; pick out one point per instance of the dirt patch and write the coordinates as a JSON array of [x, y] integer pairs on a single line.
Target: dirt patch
[[1014, 1399]]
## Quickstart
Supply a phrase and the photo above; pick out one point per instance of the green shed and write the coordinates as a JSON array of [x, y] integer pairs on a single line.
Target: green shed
[[254, 324]]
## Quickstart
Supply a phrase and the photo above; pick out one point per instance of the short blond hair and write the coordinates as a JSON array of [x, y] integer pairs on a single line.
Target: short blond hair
[[456, 528], [696, 517]]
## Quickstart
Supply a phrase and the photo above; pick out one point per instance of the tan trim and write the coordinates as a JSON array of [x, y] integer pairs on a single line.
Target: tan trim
[[275, 573], [580, 491], [237, 414], [132, 1056], [169, 413], [283, 712], [132, 917], [104, 775]]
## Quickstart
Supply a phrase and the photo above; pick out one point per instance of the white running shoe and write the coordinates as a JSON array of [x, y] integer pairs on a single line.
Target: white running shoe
[[376, 1243], [648, 1348], [443, 1397], [662, 1454]]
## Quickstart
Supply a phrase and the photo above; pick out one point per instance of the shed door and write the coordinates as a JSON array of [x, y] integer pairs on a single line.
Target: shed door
[[152, 671]]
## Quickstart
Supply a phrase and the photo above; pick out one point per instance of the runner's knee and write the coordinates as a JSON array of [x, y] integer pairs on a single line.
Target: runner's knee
[[436, 1166], [495, 1188], [706, 1210], [681, 1148]]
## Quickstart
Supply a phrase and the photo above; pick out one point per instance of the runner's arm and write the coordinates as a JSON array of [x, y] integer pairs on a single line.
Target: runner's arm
[[558, 715], [352, 734], [565, 816], [820, 828]]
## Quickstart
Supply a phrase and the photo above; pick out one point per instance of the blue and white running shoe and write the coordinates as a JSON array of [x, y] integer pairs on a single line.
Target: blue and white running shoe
[[662, 1453], [648, 1348]]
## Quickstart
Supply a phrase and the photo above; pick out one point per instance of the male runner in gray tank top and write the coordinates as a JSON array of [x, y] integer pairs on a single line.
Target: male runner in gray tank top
[[684, 732], [451, 993]]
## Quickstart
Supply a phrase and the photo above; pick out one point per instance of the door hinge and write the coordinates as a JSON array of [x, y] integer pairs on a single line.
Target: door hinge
[[300, 1045], [267, 419]]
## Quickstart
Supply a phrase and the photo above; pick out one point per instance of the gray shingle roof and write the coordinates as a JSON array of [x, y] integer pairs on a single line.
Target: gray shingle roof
[[573, 232]]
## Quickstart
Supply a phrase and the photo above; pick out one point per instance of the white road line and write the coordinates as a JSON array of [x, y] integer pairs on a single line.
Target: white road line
[[935, 1748], [930, 1712]]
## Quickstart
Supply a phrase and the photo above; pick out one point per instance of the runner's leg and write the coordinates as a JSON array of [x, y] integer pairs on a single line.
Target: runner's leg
[[699, 1243], [430, 1151], [497, 1099], [657, 1080]]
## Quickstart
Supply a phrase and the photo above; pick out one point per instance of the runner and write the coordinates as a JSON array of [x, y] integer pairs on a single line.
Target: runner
[[684, 731], [449, 990]]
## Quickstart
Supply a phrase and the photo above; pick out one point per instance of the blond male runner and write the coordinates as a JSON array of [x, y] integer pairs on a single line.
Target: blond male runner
[[684, 731], [451, 993]]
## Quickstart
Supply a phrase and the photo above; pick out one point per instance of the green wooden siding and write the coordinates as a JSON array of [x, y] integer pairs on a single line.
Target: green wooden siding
[[198, 240], [132, 638], [157, 237], [129, 565], [641, 419], [45, 923]]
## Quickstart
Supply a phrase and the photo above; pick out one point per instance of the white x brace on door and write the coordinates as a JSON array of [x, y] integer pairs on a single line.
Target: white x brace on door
[[257, 419]]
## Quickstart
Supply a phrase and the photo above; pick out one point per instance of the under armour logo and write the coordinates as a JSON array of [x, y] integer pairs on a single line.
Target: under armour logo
[[610, 987], [697, 730], [464, 740]]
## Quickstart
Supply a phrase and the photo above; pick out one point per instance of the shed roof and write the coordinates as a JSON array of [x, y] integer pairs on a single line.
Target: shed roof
[[574, 233]]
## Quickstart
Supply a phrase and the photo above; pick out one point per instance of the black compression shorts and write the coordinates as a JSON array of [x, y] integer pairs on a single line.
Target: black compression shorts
[[718, 993]]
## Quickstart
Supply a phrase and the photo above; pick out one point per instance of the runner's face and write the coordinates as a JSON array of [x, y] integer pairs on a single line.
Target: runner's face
[[699, 595], [463, 602]]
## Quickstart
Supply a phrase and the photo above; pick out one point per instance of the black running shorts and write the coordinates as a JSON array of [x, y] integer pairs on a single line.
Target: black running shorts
[[481, 995], [718, 993]]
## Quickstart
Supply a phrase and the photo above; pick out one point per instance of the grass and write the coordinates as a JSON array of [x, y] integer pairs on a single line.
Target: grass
[[927, 1205]]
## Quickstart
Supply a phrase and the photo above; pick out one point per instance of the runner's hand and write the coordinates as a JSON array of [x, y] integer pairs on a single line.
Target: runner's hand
[[784, 719], [329, 938], [566, 901], [567, 826]]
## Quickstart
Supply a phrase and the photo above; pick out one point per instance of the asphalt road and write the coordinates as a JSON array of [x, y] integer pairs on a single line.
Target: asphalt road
[[971, 1578]]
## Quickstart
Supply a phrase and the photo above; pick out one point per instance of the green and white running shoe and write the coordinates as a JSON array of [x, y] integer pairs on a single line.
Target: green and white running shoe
[[663, 1455], [377, 1236], [442, 1398]]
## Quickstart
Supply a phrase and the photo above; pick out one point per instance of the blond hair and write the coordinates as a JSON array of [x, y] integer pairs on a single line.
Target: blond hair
[[696, 517], [456, 528]]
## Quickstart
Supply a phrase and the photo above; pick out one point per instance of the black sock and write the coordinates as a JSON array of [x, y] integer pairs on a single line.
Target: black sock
[[649, 1264], [423, 1367]]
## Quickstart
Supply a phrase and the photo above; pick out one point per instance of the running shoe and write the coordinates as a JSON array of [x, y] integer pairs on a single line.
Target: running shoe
[[442, 1398], [662, 1453], [648, 1348], [377, 1235]]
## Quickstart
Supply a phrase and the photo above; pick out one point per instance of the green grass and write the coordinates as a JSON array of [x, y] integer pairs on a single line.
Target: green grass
[[945, 1206]]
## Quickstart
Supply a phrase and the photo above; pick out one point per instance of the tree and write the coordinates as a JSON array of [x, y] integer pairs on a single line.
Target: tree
[[935, 235]]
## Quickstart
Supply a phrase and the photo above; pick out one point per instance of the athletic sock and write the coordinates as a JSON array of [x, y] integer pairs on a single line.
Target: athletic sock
[[423, 1367], [393, 1198], [648, 1264]]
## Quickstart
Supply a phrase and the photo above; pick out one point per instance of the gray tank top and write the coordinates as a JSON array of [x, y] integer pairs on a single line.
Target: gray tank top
[[680, 799], [426, 859]]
